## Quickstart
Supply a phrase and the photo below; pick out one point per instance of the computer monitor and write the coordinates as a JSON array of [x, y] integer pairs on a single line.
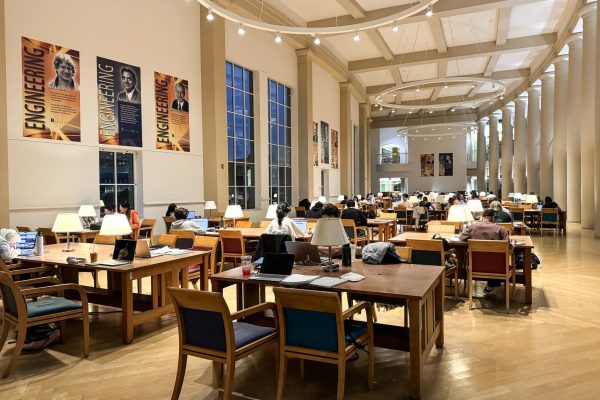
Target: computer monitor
[[27, 240], [191, 214], [201, 222], [301, 224]]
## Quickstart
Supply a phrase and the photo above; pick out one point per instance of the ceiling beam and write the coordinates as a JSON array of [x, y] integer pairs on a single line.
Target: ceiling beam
[[489, 70], [381, 44], [442, 72], [396, 75], [435, 23], [502, 25], [454, 53], [353, 8]]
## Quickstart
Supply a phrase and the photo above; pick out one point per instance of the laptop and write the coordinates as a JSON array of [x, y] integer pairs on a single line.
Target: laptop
[[305, 253], [201, 222], [301, 224], [275, 267], [191, 215], [144, 250], [123, 253], [27, 244]]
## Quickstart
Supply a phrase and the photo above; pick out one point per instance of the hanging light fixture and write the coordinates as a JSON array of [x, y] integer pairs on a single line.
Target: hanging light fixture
[[356, 36], [317, 40], [396, 27], [241, 30], [429, 12], [210, 15], [278, 38]]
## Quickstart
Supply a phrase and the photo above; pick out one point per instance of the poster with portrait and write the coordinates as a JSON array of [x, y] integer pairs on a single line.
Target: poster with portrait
[[335, 135], [324, 143], [51, 107], [315, 144], [172, 113], [427, 164], [119, 103], [446, 164]]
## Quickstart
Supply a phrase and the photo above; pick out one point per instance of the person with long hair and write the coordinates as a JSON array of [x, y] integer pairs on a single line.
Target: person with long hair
[[283, 224], [171, 210], [132, 215]]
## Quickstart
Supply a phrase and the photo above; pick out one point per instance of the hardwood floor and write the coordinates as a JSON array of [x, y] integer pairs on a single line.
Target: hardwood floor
[[547, 351]]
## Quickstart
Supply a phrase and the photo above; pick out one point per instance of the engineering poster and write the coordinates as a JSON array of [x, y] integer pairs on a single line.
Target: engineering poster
[[172, 113]]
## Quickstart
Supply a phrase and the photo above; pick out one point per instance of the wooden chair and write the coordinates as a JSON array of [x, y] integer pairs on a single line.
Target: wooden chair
[[358, 235], [146, 230], [264, 224], [518, 213], [508, 226], [550, 220], [24, 229], [431, 252], [300, 212], [168, 222], [39, 274], [392, 217], [219, 214], [243, 224], [232, 246], [439, 228], [53, 238], [340, 207], [312, 328], [185, 238], [403, 216], [490, 259], [22, 314], [209, 243], [167, 240], [206, 330]]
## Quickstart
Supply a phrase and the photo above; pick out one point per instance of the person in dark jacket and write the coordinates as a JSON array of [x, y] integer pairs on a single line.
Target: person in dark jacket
[[316, 211], [353, 213]]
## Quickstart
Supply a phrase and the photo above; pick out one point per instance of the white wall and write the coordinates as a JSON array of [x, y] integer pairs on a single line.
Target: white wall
[[46, 176]]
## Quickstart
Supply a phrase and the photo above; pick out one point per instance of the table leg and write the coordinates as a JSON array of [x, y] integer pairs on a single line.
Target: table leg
[[527, 275], [217, 367], [127, 308], [204, 271], [415, 322], [440, 296], [382, 232]]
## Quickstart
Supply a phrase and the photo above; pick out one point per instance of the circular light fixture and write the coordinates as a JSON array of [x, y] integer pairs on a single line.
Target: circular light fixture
[[430, 131], [278, 38], [241, 30], [210, 15], [224, 12]]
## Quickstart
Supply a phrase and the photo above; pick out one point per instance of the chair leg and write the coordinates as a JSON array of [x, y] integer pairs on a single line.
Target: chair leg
[[507, 290], [182, 363], [22, 332], [63, 329], [85, 318], [341, 379], [229, 373], [6, 325], [470, 283], [302, 375], [95, 278], [281, 376], [371, 362], [456, 283]]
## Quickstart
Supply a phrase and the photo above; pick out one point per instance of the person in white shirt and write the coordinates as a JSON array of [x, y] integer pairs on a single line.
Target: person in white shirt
[[284, 225], [405, 202], [8, 241]]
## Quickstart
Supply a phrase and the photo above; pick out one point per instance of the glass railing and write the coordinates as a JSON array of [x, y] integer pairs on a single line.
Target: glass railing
[[396, 158]]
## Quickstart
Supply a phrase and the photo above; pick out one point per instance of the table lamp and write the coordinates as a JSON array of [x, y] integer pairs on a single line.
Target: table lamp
[[272, 211], [511, 196], [233, 212], [329, 232], [482, 194], [115, 225], [87, 212], [518, 196], [341, 197], [475, 207], [323, 199], [413, 200], [67, 223], [379, 194], [209, 205], [531, 199], [460, 213], [359, 196]]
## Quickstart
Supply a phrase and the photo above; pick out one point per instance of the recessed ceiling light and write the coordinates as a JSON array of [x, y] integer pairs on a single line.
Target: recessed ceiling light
[[395, 95], [317, 40], [449, 128], [452, 110], [446, 86], [278, 38], [430, 111], [241, 30], [417, 131], [439, 138], [210, 15], [418, 89], [410, 112], [393, 111]]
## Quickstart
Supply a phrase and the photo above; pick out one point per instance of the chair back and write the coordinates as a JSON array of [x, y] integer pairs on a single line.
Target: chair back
[[271, 243], [24, 229], [489, 256], [264, 224], [103, 239], [219, 214], [518, 213], [185, 238], [405, 253], [390, 216], [310, 319], [426, 251], [49, 236], [350, 228], [300, 212], [203, 321], [208, 243], [232, 241], [439, 228], [168, 222], [549, 215], [146, 230], [12, 300], [168, 240], [243, 224], [508, 226]]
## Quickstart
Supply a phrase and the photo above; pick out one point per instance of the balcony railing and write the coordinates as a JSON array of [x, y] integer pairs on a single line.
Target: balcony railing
[[391, 159]]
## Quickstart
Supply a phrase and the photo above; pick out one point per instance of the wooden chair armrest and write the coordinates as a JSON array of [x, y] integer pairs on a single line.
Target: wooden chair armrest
[[363, 305], [23, 271], [255, 309], [37, 281], [56, 289]]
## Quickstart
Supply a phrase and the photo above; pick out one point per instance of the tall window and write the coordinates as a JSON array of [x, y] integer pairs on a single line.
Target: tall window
[[117, 178], [240, 135], [280, 142]]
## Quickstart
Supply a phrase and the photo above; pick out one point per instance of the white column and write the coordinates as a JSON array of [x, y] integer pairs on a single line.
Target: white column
[[533, 140], [574, 129], [559, 142], [481, 152], [597, 138], [546, 132], [588, 126], [520, 145], [494, 153], [507, 151]]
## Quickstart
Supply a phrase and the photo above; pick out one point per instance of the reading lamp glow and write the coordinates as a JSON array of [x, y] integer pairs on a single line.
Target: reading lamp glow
[[323, 199], [115, 225], [67, 223], [210, 205], [329, 232], [234, 212], [272, 211], [87, 212]]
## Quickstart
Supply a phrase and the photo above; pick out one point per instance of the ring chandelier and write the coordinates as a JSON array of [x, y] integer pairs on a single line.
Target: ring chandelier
[[498, 93], [326, 30], [436, 130]]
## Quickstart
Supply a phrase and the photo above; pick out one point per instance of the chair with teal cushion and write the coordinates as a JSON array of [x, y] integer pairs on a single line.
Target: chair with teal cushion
[[550, 220], [24, 314], [207, 330], [313, 327]]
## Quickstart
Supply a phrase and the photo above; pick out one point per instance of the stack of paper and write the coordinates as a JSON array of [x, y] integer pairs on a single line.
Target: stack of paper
[[298, 279], [327, 282], [352, 277]]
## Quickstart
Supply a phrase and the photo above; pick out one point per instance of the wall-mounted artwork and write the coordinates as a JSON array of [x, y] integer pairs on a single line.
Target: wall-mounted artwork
[[427, 164], [51, 108], [335, 135], [172, 113], [446, 164], [324, 143], [119, 103], [315, 144]]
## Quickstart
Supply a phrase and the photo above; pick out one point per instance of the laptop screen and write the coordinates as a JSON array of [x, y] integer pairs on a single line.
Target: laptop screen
[[201, 222], [124, 250], [27, 240], [301, 224], [191, 214], [277, 263]]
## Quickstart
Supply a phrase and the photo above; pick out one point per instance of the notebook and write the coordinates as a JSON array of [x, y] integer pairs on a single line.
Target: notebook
[[123, 253], [327, 282], [275, 267], [143, 249], [27, 243]]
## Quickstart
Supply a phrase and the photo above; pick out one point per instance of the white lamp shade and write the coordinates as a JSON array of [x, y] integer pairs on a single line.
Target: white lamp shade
[[329, 232], [531, 199], [272, 211], [460, 213], [101, 203], [475, 205], [312, 203], [433, 195], [340, 197], [511, 195], [115, 225], [87, 211], [518, 196], [359, 196], [413, 199], [210, 205], [67, 222], [379, 194], [482, 194], [234, 211], [322, 199]]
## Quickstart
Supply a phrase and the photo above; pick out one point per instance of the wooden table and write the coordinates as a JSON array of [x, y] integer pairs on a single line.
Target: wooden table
[[526, 247], [252, 233], [533, 218], [216, 221], [384, 227], [87, 235], [422, 286], [163, 270]]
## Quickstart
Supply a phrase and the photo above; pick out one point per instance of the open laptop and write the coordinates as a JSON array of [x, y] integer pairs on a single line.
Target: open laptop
[[301, 224], [305, 253], [144, 250], [27, 244], [275, 267], [123, 253], [191, 215], [201, 222]]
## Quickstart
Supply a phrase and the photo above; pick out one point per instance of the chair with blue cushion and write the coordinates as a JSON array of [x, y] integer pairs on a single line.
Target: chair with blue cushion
[[24, 314], [357, 235], [207, 330], [431, 252], [313, 327], [550, 220]]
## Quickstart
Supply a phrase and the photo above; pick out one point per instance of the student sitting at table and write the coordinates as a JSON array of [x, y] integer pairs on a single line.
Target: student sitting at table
[[104, 211], [549, 203], [330, 211], [8, 241], [354, 213], [316, 211], [282, 225], [405, 202], [501, 214], [171, 210], [181, 222], [132, 216]]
